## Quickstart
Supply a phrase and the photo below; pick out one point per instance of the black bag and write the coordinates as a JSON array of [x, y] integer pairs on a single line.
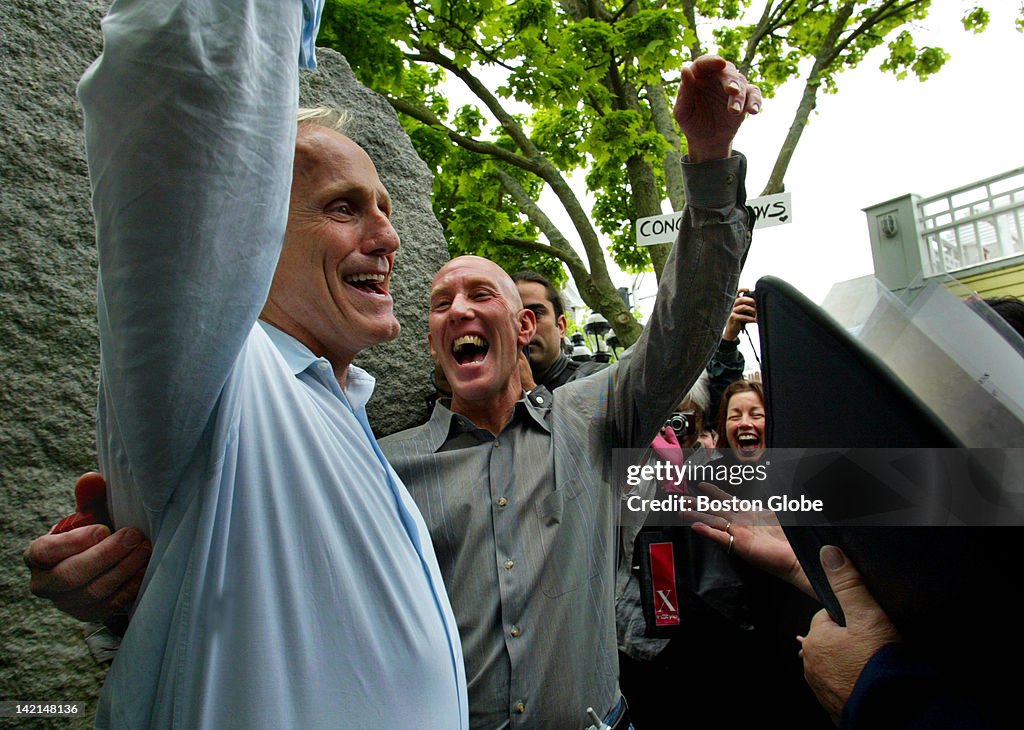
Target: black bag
[[685, 578]]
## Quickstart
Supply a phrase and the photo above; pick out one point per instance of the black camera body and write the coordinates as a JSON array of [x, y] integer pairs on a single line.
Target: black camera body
[[684, 423]]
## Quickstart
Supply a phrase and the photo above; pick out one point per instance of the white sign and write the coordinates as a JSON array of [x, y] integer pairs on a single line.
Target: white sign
[[771, 210], [657, 229]]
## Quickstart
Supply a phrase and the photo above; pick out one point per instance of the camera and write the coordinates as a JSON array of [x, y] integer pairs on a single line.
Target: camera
[[684, 423]]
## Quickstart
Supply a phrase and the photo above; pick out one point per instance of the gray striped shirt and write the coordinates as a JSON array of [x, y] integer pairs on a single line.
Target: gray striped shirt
[[523, 524]]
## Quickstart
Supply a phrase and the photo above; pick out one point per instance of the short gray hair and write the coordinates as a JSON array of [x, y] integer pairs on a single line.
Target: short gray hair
[[339, 121]]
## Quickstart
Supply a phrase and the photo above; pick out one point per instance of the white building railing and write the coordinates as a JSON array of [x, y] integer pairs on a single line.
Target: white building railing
[[971, 225]]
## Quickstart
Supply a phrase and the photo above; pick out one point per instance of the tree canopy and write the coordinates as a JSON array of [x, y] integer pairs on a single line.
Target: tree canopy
[[588, 85]]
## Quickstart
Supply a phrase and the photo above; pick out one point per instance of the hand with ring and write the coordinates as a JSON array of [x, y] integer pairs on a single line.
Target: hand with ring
[[754, 536]]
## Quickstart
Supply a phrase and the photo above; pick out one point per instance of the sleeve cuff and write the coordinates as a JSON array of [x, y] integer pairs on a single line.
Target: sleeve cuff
[[716, 183]]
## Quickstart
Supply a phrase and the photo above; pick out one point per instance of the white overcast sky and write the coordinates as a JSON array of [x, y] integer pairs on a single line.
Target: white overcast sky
[[880, 138]]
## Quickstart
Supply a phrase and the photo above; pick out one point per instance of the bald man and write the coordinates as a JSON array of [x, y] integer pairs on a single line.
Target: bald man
[[517, 490]]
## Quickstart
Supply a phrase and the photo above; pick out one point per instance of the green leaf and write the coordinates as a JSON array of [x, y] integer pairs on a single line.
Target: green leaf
[[976, 20]]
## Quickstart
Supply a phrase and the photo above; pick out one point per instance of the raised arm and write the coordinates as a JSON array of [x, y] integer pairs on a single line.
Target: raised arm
[[190, 127], [701, 276], [727, 363]]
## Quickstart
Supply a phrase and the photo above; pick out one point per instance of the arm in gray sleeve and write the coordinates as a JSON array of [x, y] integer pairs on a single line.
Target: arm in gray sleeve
[[695, 296]]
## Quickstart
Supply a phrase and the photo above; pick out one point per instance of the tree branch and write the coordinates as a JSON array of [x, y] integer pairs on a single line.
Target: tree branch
[[596, 286], [506, 120], [487, 54], [884, 12], [474, 145], [539, 218], [690, 13], [543, 248], [807, 100], [532, 160]]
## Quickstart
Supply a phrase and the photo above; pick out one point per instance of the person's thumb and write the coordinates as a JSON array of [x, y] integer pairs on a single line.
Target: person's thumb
[[90, 492], [90, 505], [846, 583]]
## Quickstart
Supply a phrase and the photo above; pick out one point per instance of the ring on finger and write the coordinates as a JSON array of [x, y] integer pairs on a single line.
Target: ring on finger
[[731, 541], [728, 526]]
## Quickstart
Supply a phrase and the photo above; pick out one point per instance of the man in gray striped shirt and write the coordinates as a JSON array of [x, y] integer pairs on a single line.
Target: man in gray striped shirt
[[517, 491]]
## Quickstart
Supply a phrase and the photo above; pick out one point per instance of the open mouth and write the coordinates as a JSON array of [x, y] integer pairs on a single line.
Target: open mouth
[[469, 349], [369, 283], [748, 443]]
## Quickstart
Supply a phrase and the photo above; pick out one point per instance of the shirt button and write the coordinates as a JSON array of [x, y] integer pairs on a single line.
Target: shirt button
[[730, 178], [496, 443], [502, 501], [509, 565], [322, 365], [515, 631], [540, 399], [520, 708]]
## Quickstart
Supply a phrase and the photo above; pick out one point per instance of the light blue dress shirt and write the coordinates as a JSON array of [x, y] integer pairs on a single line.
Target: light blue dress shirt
[[293, 583]]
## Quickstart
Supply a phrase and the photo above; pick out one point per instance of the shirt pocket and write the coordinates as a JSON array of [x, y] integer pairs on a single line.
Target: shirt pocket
[[568, 526]]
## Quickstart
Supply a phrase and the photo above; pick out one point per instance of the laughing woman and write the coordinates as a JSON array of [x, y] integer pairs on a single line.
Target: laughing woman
[[741, 428], [771, 672]]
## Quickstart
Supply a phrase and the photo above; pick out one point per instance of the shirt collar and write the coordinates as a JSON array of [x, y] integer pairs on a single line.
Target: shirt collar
[[445, 423], [556, 369], [537, 404], [299, 358]]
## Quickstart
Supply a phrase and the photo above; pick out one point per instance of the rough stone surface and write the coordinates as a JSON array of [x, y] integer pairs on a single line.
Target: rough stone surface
[[49, 352]]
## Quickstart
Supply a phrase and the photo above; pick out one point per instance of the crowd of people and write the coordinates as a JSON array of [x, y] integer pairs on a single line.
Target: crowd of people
[[275, 565]]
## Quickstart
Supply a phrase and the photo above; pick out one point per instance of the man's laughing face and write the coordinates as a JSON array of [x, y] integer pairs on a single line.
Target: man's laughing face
[[478, 327], [331, 286]]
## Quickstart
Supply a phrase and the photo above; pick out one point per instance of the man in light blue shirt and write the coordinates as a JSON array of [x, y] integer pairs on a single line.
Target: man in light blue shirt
[[292, 582], [717, 235]]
